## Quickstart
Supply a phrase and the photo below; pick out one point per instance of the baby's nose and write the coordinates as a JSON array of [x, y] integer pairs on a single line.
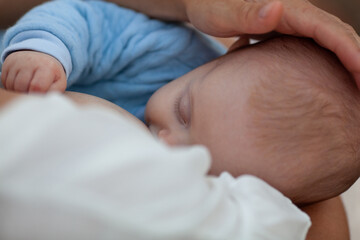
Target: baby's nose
[[154, 130], [162, 134]]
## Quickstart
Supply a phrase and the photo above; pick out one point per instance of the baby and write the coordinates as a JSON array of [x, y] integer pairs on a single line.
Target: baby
[[111, 52], [284, 110]]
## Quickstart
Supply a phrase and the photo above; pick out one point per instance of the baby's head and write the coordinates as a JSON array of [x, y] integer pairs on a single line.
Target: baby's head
[[284, 110]]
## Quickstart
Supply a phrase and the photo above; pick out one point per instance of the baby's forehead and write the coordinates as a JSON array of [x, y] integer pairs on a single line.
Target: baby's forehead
[[253, 59], [286, 57]]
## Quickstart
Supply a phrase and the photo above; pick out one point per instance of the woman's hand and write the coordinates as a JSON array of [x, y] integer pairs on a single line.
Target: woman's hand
[[237, 17], [226, 18]]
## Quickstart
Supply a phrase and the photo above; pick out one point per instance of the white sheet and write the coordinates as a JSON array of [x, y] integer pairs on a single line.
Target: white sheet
[[67, 173]]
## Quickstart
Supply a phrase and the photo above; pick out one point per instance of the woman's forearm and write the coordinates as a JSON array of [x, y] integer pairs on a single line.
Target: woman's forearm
[[10, 11], [329, 220], [173, 10]]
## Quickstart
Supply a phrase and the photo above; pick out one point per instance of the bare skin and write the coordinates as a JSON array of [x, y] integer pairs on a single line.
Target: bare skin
[[299, 18], [234, 18], [6, 97], [294, 17], [328, 217], [29, 71]]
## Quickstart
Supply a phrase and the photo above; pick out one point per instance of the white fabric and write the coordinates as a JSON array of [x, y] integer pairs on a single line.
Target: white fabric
[[88, 173]]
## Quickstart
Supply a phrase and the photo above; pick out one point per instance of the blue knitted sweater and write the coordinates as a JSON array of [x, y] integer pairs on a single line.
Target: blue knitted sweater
[[111, 52]]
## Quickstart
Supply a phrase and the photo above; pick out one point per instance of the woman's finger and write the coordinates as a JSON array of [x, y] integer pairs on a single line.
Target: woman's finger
[[328, 31], [221, 18], [259, 18], [59, 85]]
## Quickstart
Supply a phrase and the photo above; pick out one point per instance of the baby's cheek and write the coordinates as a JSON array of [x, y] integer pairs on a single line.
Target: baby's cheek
[[232, 158]]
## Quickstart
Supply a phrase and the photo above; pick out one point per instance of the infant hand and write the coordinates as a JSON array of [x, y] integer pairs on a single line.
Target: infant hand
[[29, 71]]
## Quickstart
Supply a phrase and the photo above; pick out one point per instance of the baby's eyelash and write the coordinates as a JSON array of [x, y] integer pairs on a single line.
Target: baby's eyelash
[[177, 109]]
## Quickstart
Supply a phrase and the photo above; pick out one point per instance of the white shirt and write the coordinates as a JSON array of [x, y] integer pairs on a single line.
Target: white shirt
[[88, 173]]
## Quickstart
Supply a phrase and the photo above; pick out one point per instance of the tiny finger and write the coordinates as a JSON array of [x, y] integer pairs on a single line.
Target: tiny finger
[[22, 80], [10, 79], [4, 75], [41, 81], [58, 85]]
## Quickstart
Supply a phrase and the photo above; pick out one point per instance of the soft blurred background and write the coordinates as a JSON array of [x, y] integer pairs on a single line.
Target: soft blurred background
[[347, 10], [351, 200]]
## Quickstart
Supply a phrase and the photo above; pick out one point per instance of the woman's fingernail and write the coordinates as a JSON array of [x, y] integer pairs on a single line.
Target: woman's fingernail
[[264, 11]]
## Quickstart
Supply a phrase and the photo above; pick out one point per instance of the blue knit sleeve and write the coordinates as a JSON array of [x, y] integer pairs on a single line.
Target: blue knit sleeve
[[40, 41], [66, 20], [116, 53]]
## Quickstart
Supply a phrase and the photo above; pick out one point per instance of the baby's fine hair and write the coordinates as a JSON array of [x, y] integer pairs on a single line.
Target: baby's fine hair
[[306, 115]]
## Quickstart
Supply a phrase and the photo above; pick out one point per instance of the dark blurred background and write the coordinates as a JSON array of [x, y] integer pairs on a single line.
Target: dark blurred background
[[346, 10]]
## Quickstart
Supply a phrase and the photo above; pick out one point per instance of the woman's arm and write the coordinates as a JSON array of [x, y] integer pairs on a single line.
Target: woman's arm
[[225, 18], [10, 11], [163, 9], [329, 220]]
